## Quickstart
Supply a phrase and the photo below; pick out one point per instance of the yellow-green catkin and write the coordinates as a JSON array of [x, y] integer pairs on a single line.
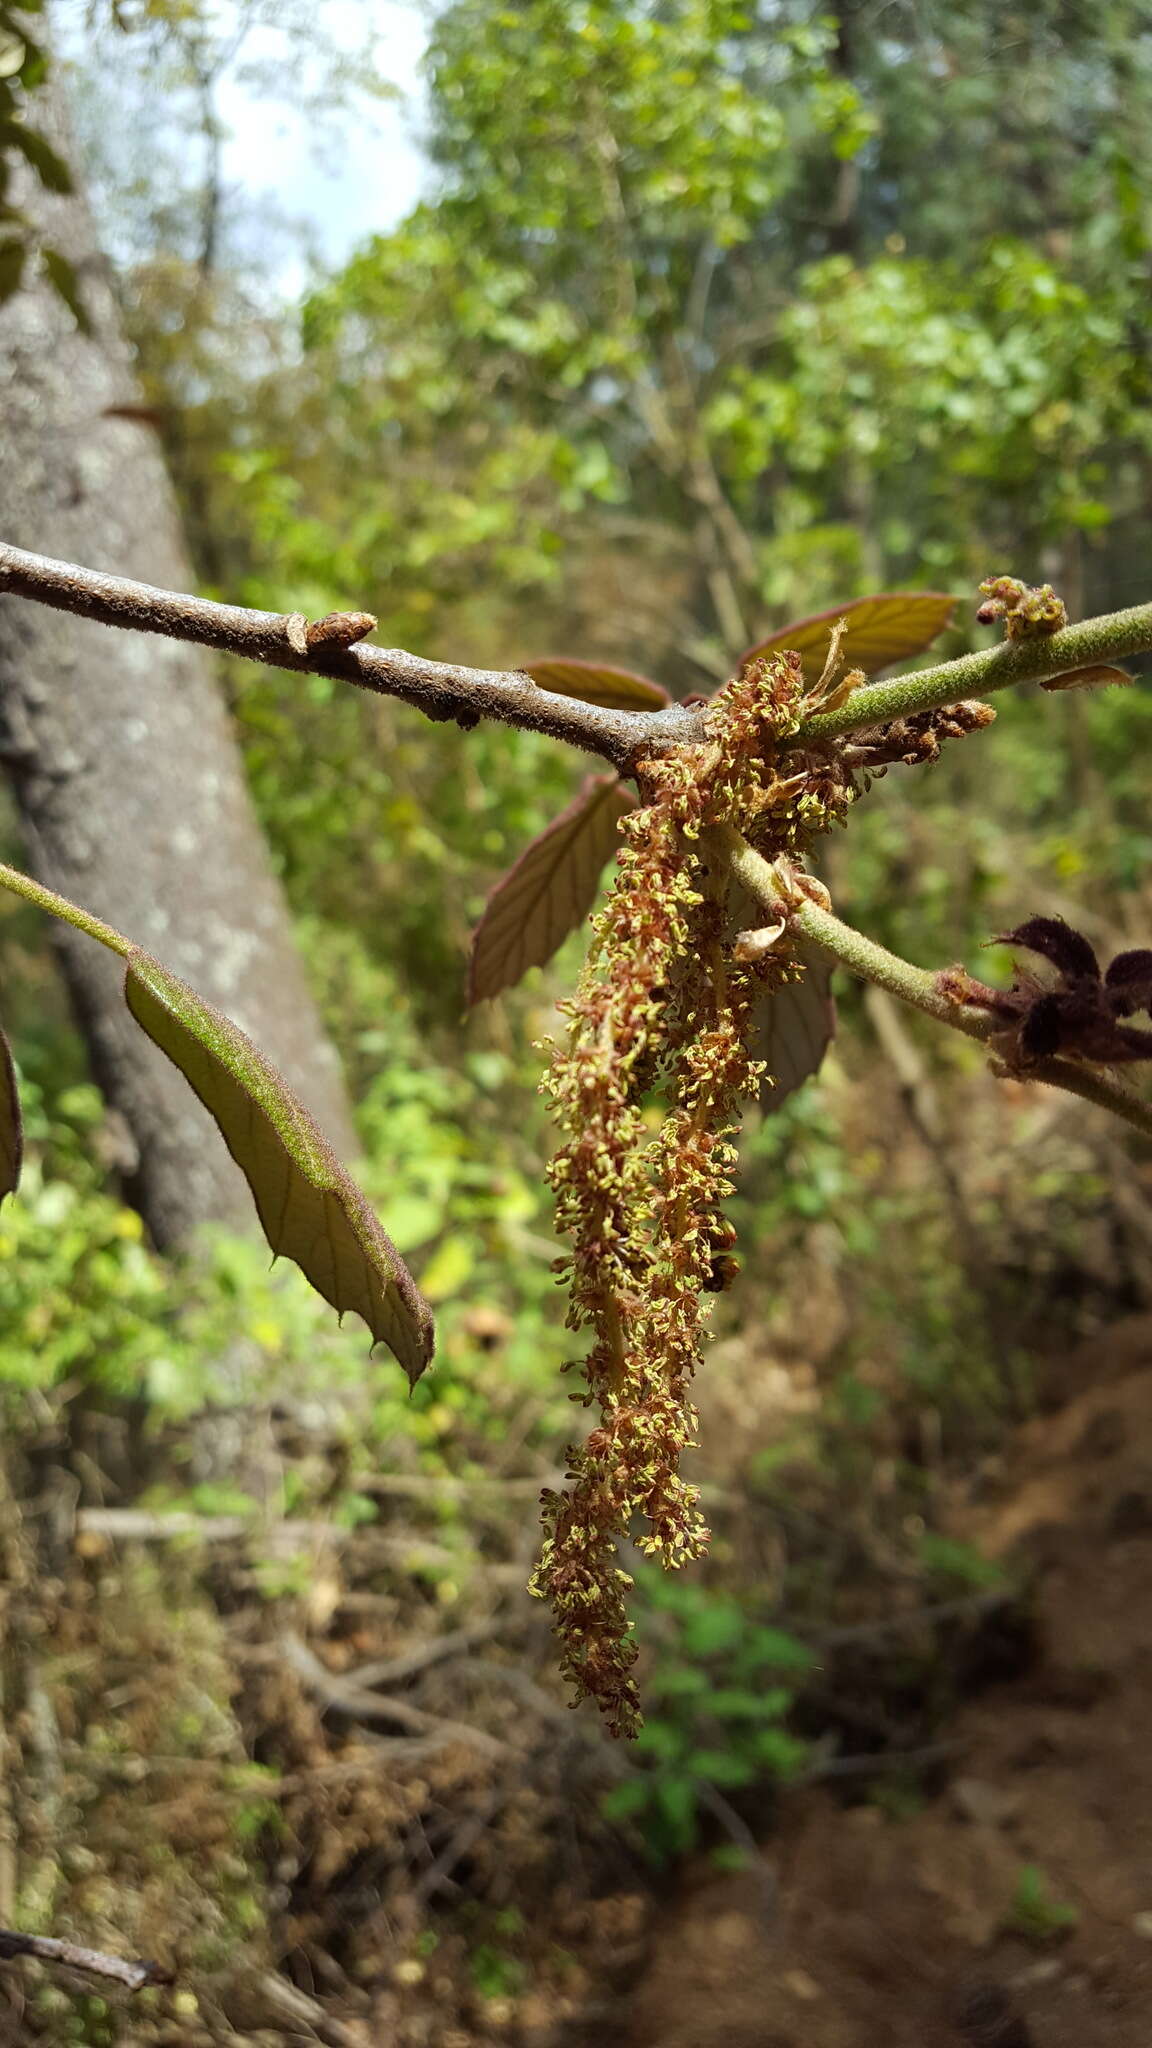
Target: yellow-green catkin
[[663, 1009]]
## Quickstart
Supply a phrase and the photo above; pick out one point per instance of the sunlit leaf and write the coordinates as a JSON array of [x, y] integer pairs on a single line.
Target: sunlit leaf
[[1098, 677], [11, 1127], [310, 1207], [881, 630], [549, 890], [597, 682], [794, 1026]]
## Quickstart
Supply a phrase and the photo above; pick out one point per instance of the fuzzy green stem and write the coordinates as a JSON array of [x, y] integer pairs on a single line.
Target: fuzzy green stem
[[59, 906], [914, 985], [993, 668], [861, 955]]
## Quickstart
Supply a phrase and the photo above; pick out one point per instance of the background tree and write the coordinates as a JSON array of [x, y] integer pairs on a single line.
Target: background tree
[[644, 407], [127, 781]]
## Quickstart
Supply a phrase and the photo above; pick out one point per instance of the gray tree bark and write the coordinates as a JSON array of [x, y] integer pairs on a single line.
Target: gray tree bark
[[126, 773]]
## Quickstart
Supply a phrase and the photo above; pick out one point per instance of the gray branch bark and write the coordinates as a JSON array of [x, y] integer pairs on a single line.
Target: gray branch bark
[[126, 776]]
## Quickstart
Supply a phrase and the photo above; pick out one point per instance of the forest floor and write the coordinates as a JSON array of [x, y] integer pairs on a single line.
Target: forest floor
[[319, 1862], [1014, 1909]]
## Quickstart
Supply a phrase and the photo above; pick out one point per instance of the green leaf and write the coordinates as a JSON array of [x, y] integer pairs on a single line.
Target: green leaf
[[738, 1703], [628, 1799], [549, 890], [50, 168], [721, 1767], [11, 1126], [775, 1647], [960, 1561], [598, 682], [881, 630], [662, 1741], [12, 255], [729, 1856], [716, 1628], [61, 275], [34, 69], [783, 1754], [310, 1207], [679, 1682], [675, 1800]]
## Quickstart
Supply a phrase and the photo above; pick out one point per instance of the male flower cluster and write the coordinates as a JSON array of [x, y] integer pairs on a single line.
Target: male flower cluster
[[663, 1008]]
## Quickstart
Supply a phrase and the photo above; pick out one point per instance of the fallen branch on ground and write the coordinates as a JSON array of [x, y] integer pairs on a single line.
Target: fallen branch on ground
[[361, 1704], [116, 1969]]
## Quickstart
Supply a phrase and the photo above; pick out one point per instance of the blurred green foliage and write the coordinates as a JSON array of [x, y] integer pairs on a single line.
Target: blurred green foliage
[[721, 1688]]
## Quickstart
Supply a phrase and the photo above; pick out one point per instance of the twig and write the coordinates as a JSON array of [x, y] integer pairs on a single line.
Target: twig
[[290, 2004], [448, 691], [448, 1486], [364, 1705], [442, 690], [439, 1874], [915, 985], [908, 1067], [919, 1100], [395, 1670], [409, 1553], [379, 1755], [738, 1831], [1090, 641], [133, 1975], [866, 1766], [533, 1695], [137, 1525], [968, 1607]]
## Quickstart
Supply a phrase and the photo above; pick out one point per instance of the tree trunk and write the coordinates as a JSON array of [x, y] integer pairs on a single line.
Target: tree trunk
[[126, 773]]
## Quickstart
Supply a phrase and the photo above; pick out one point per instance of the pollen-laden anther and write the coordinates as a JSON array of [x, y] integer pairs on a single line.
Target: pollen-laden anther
[[663, 1010]]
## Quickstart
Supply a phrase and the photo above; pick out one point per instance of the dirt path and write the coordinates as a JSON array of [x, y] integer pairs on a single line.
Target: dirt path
[[944, 1930]]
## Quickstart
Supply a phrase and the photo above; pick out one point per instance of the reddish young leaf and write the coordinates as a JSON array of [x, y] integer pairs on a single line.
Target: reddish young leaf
[[1055, 940], [1100, 676], [549, 890], [598, 682], [794, 1027], [881, 630], [11, 1128], [1129, 982]]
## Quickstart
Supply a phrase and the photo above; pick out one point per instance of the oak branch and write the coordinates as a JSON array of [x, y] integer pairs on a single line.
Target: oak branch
[[446, 692], [441, 690]]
